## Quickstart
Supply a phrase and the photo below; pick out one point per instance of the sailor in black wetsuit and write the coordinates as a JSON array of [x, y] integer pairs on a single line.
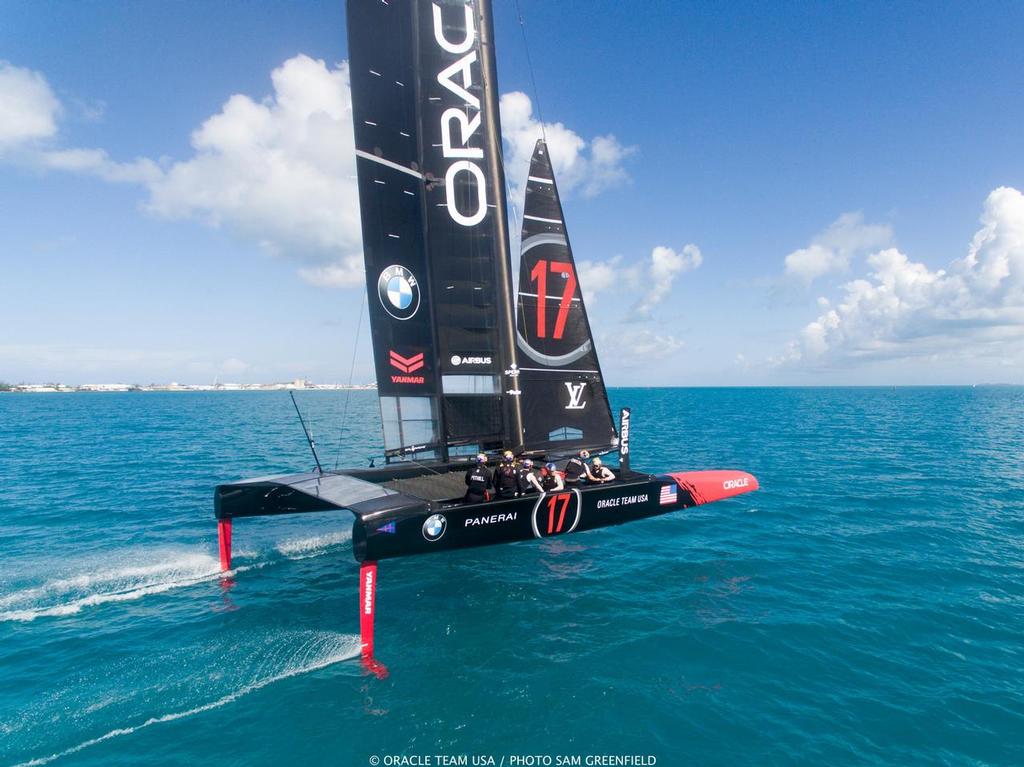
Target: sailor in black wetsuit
[[478, 481], [576, 469], [526, 481], [505, 480], [550, 481]]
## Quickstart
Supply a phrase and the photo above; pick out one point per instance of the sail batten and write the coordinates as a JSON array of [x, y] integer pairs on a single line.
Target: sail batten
[[565, 405]]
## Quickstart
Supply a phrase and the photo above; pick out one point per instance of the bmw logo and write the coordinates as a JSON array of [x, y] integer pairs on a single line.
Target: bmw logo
[[399, 292], [434, 527]]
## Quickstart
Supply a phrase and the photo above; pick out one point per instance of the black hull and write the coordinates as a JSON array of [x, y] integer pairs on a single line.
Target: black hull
[[385, 535], [406, 510]]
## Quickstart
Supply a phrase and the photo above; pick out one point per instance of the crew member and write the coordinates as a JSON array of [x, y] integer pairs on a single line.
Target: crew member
[[505, 481], [550, 481], [527, 481], [598, 472], [478, 481], [576, 469]]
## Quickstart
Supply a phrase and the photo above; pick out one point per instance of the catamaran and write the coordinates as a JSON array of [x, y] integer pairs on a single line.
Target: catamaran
[[459, 370]]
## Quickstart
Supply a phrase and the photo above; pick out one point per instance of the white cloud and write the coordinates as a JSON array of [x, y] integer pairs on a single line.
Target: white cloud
[[30, 108], [904, 309], [601, 276], [280, 171], [665, 265], [832, 249], [98, 163], [654, 277], [636, 347], [590, 168], [347, 274], [234, 367]]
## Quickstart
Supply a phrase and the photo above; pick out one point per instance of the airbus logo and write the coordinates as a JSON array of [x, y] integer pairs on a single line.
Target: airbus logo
[[733, 484], [576, 401], [458, 359]]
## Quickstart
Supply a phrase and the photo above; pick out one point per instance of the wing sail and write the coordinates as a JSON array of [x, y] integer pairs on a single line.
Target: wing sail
[[435, 237]]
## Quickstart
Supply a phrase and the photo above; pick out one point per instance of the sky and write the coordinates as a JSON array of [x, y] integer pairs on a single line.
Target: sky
[[757, 193]]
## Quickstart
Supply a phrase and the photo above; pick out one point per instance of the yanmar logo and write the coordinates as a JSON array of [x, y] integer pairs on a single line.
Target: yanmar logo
[[458, 80], [406, 365], [368, 593], [733, 484]]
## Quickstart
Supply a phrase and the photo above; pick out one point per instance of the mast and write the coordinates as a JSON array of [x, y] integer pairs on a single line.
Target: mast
[[506, 311]]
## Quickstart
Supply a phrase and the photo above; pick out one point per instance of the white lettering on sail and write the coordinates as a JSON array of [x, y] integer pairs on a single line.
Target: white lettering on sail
[[457, 78], [445, 43], [467, 128], [462, 65], [449, 184]]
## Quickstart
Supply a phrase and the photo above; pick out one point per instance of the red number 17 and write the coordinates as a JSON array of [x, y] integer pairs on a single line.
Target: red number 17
[[540, 276], [553, 501]]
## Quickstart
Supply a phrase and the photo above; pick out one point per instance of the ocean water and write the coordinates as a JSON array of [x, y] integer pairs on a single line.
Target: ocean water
[[865, 607]]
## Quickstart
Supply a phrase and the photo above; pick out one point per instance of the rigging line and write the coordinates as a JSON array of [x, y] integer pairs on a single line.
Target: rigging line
[[348, 392], [533, 79]]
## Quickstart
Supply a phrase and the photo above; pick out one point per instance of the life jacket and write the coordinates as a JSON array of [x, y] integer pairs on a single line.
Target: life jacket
[[548, 480], [478, 479], [523, 479], [506, 483], [574, 469]]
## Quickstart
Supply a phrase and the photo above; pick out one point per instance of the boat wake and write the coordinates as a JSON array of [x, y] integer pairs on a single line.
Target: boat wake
[[290, 654], [71, 593]]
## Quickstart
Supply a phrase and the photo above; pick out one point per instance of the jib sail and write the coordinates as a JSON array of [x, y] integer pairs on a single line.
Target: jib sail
[[564, 402], [435, 237]]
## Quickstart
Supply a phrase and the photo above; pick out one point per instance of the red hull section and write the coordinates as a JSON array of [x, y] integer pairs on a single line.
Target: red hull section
[[711, 486]]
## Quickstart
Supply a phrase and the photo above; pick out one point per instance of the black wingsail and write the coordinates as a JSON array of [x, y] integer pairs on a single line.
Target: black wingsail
[[435, 236], [564, 402]]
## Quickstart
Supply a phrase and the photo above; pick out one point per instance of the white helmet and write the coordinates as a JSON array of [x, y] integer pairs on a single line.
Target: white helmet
[[596, 461]]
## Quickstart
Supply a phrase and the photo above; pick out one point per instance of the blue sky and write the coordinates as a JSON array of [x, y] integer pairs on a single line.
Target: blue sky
[[770, 193]]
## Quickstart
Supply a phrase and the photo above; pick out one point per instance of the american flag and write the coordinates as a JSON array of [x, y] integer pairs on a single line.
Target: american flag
[[669, 495]]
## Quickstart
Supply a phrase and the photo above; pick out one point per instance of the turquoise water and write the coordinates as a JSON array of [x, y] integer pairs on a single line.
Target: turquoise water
[[865, 607]]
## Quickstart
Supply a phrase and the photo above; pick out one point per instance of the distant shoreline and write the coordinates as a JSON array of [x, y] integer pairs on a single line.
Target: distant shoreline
[[133, 388]]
